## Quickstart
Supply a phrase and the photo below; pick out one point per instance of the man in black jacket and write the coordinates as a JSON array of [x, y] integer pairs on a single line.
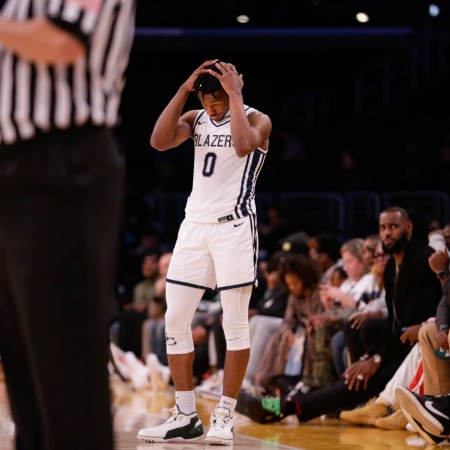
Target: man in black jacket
[[412, 295]]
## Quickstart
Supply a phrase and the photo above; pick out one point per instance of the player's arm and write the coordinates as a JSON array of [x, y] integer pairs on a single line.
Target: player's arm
[[40, 41], [248, 132], [172, 128]]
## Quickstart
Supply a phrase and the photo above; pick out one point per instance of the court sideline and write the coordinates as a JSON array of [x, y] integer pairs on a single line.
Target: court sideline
[[135, 410]]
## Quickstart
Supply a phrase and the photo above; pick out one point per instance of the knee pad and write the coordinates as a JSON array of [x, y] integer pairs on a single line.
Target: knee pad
[[182, 301], [235, 304]]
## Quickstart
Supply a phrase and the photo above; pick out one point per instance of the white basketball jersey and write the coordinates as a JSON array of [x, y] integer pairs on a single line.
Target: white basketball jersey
[[223, 185]]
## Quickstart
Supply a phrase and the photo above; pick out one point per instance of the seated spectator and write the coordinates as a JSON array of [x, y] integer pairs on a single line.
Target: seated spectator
[[432, 341], [325, 250], [340, 302], [267, 317], [373, 306], [153, 324], [412, 295], [337, 276], [300, 276], [126, 330]]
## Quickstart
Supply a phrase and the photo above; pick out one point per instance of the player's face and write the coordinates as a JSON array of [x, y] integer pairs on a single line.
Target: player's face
[[216, 106]]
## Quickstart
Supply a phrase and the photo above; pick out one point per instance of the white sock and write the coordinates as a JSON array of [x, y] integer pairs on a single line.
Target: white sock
[[185, 401], [228, 402]]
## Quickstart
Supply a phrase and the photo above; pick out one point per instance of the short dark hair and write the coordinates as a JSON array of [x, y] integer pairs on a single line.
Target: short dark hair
[[207, 83], [399, 209]]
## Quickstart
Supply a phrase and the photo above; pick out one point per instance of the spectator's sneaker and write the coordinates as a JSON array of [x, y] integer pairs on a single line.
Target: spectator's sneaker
[[139, 372], [179, 428], [159, 374], [214, 381], [118, 364], [261, 410], [221, 431], [366, 414], [431, 412], [213, 393], [394, 421], [430, 438]]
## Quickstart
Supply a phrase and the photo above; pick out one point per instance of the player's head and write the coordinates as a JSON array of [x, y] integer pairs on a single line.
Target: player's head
[[211, 94], [207, 83]]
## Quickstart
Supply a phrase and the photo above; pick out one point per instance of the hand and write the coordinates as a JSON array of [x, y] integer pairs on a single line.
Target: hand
[[358, 374], [358, 318], [411, 334], [328, 294], [318, 321], [439, 261], [442, 339], [189, 83], [229, 77]]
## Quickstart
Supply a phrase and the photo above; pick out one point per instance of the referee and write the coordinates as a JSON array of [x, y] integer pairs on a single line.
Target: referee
[[62, 72]]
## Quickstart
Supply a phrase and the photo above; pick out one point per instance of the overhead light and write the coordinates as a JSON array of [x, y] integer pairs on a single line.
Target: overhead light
[[243, 18], [362, 17], [433, 10]]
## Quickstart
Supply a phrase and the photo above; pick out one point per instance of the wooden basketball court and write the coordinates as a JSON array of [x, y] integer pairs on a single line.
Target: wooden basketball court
[[135, 410]]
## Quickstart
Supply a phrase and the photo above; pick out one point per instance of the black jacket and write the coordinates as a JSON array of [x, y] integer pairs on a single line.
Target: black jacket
[[412, 298]]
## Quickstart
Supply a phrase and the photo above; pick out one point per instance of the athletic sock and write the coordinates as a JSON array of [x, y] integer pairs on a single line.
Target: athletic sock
[[185, 401], [228, 402]]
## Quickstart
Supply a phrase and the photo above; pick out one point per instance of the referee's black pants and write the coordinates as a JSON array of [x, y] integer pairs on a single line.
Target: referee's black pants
[[60, 202]]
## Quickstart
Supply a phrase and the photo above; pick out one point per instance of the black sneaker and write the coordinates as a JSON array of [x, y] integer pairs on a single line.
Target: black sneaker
[[284, 383], [261, 410], [430, 438], [431, 412]]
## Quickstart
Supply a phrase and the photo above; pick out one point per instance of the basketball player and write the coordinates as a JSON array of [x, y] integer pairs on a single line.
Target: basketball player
[[217, 243]]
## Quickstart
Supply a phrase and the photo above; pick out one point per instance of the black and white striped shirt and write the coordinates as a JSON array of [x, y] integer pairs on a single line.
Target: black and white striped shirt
[[37, 96]]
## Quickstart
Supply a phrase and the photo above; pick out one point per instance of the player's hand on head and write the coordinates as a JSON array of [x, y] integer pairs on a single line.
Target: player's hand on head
[[189, 83], [229, 77]]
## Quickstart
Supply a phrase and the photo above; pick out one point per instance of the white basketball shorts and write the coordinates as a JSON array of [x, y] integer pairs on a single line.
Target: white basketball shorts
[[207, 255]]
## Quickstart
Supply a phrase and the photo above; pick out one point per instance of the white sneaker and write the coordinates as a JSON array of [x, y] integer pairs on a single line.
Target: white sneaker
[[138, 371], [216, 379], [221, 431], [179, 428], [159, 374], [119, 365], [213, 393]]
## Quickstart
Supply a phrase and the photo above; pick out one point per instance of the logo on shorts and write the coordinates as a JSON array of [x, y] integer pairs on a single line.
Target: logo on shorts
[[238, 224]]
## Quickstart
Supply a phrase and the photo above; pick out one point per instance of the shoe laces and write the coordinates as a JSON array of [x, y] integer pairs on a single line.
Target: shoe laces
[[221, 419], [176, 414]]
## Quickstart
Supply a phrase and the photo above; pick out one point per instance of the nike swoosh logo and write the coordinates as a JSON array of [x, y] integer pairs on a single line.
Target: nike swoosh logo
[[429, 405], [238, 224], [200, 123]]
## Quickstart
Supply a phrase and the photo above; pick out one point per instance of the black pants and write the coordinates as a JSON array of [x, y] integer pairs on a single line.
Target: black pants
[[336, 396], [60, 202], [367, 339]]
